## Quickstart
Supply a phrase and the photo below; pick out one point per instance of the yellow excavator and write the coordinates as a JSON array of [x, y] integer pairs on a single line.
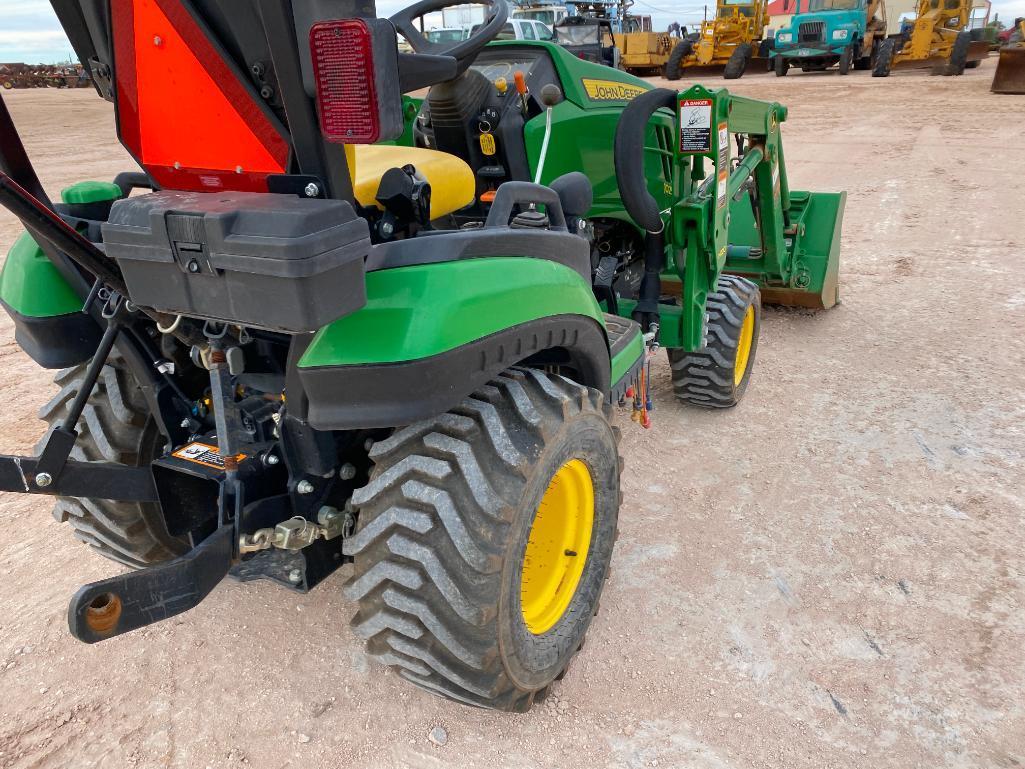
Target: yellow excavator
[[1010, 74], [937, 38]]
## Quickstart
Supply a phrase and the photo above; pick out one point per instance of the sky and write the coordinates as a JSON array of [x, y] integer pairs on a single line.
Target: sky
[[29, 31]]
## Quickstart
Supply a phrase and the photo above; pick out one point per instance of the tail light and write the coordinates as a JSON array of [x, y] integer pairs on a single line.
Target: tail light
[[343, 68]]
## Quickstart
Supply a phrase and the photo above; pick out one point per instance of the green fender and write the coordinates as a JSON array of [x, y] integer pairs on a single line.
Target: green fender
[[424, 310], [432, 334]]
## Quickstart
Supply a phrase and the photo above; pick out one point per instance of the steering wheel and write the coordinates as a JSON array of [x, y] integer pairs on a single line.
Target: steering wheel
[[464, 51]]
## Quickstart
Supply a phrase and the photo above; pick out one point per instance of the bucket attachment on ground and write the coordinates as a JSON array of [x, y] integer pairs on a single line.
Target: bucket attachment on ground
[[1010, 74]]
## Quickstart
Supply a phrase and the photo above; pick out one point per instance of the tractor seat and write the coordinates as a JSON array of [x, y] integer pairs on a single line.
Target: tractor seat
[[451, 179]]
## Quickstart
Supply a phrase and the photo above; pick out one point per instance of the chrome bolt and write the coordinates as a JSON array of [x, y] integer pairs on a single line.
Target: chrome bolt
[[312, 190], [272, 459], [186, 423], [295, 576], [43, 480], [348, 472], [304, 487], [157, 40]]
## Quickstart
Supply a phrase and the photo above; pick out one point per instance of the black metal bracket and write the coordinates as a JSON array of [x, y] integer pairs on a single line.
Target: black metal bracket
[[110, 607], [101, 480]]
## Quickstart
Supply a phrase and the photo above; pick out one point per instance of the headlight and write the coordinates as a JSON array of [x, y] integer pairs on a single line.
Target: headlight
[[784, 37], [841, 34]]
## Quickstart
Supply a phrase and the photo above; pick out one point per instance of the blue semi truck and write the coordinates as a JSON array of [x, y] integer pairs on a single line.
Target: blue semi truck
[[848, 33]]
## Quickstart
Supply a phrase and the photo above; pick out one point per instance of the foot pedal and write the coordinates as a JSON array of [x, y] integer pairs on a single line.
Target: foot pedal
[[108, 608]]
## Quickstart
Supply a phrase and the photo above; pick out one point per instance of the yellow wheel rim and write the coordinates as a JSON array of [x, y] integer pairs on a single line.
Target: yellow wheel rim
[[557, 547], [747, 334]]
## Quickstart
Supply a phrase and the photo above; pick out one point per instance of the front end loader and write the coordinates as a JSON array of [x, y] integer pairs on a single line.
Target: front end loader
[[314, 331], [731, 41]]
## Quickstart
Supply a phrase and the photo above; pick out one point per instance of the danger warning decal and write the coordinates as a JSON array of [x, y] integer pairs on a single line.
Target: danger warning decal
[[610, 90], [723, 165], [203, 454], [696, 125]]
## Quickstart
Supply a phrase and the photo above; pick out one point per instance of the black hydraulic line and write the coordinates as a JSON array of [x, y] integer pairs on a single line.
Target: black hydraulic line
[[45, 224]]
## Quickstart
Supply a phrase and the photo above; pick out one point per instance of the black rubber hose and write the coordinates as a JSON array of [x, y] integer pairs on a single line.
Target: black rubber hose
[[633, 188], [629, 156]]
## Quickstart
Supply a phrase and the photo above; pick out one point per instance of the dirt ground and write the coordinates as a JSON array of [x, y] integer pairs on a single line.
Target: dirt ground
[[830, 575]]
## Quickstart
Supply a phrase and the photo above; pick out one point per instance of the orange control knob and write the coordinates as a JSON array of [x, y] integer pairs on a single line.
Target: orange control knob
[[521, 83]]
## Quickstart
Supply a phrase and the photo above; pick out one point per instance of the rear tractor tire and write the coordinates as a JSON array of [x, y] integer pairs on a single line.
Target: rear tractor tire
[[484, 538], [116, 426], [674, 66], [781, 66], [717, 376], [737, 64], [883, 58]]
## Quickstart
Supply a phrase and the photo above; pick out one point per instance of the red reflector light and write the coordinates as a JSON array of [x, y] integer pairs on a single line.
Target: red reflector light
[[343, 67]]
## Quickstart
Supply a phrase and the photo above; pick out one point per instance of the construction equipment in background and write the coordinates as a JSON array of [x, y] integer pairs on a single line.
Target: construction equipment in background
[[822, 33], [731, 40], [938, 38], [642, 51], [298, 347], [589, 38], [18, 75], [1010, 74]]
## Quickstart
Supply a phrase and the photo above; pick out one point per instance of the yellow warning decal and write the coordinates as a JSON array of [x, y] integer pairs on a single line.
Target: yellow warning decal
[[610, 90], [487, 144], [203, 454]]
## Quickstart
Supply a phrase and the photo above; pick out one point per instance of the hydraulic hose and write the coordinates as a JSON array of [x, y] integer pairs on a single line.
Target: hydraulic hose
[[633, 188]]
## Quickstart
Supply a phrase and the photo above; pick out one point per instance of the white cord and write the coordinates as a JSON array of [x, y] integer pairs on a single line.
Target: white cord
[[544, 146], [172, 328]]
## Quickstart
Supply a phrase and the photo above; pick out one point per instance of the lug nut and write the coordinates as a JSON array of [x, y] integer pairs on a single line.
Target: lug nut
[[304, 487], [347, 471], [43, 480], [295, 576], [312, 190], [273, 459]]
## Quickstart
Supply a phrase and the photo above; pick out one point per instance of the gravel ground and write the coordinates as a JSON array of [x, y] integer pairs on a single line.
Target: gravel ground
[[829, 575]]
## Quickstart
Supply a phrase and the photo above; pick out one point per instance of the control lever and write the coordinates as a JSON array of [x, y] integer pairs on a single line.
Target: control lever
[[550, 96]]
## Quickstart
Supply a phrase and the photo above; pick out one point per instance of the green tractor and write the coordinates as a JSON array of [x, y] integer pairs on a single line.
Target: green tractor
[[326, 324]]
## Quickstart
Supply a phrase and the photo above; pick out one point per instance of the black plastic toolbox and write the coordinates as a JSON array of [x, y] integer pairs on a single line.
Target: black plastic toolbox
[[276, 262]]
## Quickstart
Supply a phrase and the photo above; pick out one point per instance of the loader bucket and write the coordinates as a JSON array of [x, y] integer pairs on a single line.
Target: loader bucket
[[1010, 74], [816, 220]]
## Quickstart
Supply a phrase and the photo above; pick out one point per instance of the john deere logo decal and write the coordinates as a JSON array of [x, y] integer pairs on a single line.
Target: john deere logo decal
[[610, 90]]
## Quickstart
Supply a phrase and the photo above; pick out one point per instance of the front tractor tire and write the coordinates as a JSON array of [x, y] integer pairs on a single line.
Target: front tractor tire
[[717, 376], [484, 538], [116, 426], [780, 65]]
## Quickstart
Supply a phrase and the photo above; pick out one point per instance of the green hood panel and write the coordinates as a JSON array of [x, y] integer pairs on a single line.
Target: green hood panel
[[420, 311], [32, 286]]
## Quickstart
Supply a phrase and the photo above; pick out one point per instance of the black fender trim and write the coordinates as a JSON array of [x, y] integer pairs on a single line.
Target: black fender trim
[[56, 342], [394, 394]]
